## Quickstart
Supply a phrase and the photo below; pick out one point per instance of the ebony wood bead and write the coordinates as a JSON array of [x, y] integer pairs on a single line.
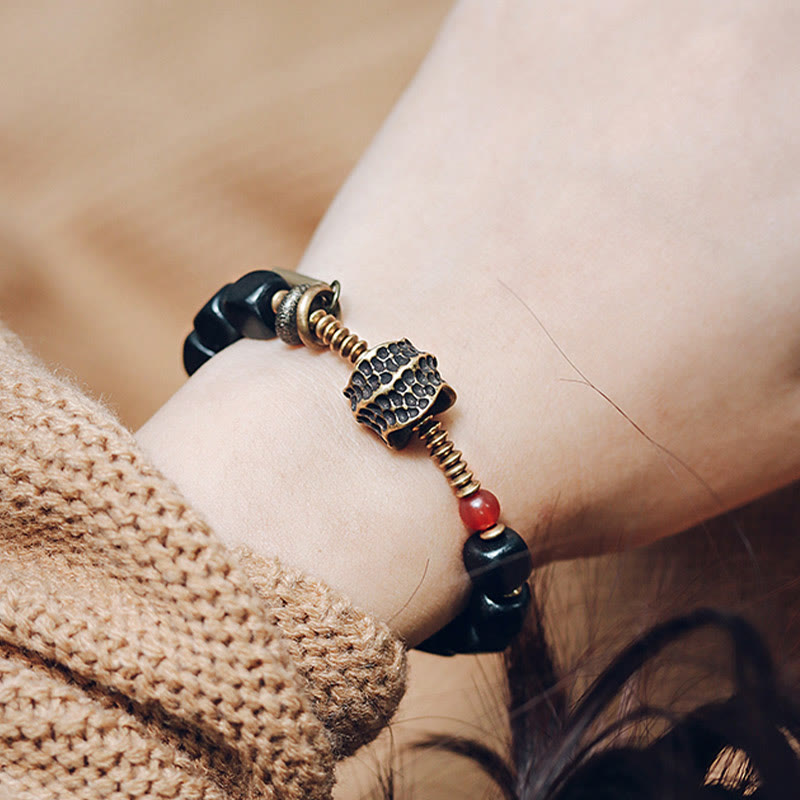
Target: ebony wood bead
[[497, 565], [497, 622], [458, 636], [195, 353], [213, 327], [484, 626], [248, 303]]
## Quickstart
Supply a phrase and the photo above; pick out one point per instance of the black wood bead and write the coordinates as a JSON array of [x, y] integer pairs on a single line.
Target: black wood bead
[[497, 622], [195, 353], [213, 327], [484, 626], [498, 565], [458, 636], [248, 303]]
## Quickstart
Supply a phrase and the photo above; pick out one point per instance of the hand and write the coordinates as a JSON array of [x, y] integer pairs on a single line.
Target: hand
[[590, 217]]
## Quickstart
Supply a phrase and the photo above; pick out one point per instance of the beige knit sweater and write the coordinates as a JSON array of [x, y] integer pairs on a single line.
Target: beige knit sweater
[[138, 656]]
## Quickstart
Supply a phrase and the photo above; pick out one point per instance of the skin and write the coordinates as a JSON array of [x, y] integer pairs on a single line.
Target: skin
[[588, 212]]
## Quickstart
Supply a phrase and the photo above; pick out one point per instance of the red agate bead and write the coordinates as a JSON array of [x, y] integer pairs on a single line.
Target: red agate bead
[[480, 510]]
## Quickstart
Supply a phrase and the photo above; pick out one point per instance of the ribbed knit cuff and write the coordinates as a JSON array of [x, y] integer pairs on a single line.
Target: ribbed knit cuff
[[354, 667]]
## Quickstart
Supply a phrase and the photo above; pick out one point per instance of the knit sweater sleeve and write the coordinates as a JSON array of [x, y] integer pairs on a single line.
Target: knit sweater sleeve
[[138, 656]]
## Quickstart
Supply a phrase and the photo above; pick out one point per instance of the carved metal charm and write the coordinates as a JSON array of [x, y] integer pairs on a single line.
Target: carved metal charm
[[394, 387]]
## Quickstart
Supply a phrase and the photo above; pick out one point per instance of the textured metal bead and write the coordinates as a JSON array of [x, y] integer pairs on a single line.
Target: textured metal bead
[[499, 565], [393, 387], [286, 316]]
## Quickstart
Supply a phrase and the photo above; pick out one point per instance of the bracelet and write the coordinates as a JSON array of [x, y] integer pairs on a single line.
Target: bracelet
[[396, 391]]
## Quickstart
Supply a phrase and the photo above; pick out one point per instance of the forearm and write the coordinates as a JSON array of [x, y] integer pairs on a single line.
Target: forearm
[[619, 184], [574, 254]]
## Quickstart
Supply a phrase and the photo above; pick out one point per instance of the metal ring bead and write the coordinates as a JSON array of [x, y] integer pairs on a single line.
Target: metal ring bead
[[286, 316], [309, 302]]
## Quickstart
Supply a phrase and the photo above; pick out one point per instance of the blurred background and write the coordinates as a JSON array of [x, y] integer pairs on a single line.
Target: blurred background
[[150, 151]]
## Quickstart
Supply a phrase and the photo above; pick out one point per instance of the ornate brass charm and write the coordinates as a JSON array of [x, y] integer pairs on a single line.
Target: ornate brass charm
[[394, 387]]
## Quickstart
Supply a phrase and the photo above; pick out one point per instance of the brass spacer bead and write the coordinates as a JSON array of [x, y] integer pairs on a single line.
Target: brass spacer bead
[[493, 532], [277, 299], [306, 330]]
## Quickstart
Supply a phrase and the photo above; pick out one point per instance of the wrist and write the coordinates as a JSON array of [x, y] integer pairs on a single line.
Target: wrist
[[263, 445], [297, 486]]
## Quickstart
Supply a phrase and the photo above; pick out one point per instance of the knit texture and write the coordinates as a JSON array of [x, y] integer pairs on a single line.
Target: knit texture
[[138, 656]]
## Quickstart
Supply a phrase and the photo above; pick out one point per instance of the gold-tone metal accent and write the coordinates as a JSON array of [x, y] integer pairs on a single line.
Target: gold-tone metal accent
[[333, 306], [294, 307], [516, 593], [286, 315], [277, 299], [393, 387], [329, 332], [314, 295], [492, 532], [317, 326], [450, 460]]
